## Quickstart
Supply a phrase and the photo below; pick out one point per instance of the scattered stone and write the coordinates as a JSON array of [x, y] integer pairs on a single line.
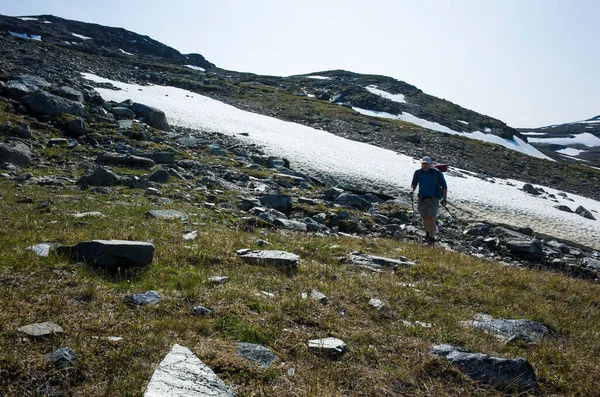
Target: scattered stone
[[377, 304], [94, 214], [41, 329], [271, 257], [201, 311], [328, 346], [528, 330], [258, 354], [147, 298], [191, 235], [181, 373], [42, 249], [111, 253], [377, 262], [315, 295], [166, 215], [153, 117], [217, 280], [502, 373], [62, 357]]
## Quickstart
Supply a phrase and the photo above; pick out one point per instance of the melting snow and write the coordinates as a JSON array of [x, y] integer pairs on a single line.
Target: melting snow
[[196, 68], [534, 133], [318, 77], [26, 36], [570, 151], [125, 52], [335, 159], [393, 97], [81, 36], [586, 139], [462, 121], [515, 144], [28, 19]]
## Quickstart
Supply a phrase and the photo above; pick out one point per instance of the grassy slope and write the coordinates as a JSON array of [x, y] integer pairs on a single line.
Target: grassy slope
[[385, 358]]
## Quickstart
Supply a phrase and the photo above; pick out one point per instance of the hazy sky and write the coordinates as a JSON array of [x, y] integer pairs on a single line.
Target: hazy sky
[[529, 63]]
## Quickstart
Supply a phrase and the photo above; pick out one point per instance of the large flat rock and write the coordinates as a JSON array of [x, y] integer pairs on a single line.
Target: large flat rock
[[111, 253], [271, 257], [181, 373]]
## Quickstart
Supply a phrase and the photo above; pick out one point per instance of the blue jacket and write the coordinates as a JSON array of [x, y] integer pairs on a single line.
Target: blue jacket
[[430, 183]]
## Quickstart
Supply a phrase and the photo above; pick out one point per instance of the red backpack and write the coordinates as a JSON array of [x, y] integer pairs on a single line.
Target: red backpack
[[441, 167]]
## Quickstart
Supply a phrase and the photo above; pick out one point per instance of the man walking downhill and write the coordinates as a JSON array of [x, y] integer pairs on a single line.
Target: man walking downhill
[[432, 188]]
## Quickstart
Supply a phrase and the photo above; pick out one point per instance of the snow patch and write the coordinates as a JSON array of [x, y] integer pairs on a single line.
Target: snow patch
[[331, 158], [393, 97], [81, 36], [570, 151], [318, 77], [25, 36], [28, 19], [125, 52], [462, 121], [586, 139], [196, 68]]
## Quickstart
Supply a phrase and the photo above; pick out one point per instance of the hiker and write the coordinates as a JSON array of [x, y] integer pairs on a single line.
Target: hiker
[[432, 188]]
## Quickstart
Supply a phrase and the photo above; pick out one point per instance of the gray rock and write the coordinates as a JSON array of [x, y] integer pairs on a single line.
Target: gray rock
[[166, 215], [377, 304], [350, 200], [527, 249], [63, 357], [24, 85], [153, 192], [100, 177], [315, 295], [69, 93], [372, 261], [271, 257], [477, 229], [147, 298], [502, 373], [135, 182], [217, 280], [258, 354], [45, 103], [124, 160], [528, 330], [328, 346], [77, 126], [41, 329], [563, 208], [123, 112], [291, 225], [331, 193], [153, 117], [191, 235], [16, 153], [201, 311], [42, 250], [529, 188], [248, 203], [111, 253], [60, 142], [279, 202], [181, 373], [160, 157], [585, 213], [160, 175], [591, 263]]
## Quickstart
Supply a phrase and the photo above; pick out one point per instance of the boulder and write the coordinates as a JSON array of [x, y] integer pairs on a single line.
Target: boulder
[[502, 373], [123, 112], [258, 354], [45, 103], [153, 117], [15, 153], [127, 160], [69, 93], [279, 202], [564, 208], [271, 257], [111, 253], [77, 127], [350, 200], [585, 213], [526, 249], [529, 188], [24, 85], [160, 175], [181, 373], [100, 177]]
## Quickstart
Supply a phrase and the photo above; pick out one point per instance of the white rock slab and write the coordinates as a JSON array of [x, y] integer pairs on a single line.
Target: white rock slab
[[42, 249], [327, 346], [270, 257], [181, 373], [41, 329], [377, 304]]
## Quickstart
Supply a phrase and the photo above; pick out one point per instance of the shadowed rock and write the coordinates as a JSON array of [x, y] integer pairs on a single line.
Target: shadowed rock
[[45, 103], [531, 331], [24, 85], [502, 373], [63, 357], [111, 253], [181, 373], [100, 177], [153, 117], [256, 353]]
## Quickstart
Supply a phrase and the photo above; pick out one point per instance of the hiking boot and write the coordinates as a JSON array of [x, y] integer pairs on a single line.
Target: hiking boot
[[430, 241]]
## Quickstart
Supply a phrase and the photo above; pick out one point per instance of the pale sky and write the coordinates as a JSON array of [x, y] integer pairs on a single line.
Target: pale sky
[[529, 63]]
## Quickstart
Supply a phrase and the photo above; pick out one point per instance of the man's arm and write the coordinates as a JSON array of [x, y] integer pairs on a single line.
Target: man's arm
[[444, 189], [414, 183]]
